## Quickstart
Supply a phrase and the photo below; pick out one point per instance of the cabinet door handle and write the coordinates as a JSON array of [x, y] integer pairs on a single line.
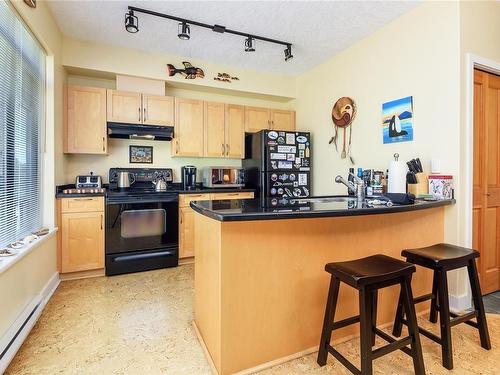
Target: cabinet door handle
[[102, 219], [227, 149], [139, 114], [223, 149], [84, 199], [181, 217], [487, 194], [177, 146], [144, 117], [104, 143]]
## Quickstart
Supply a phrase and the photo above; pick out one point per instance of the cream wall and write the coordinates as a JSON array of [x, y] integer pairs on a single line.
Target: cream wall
[[480, 36], [417, 54], [24, 281], [120, 60], [118, 149]]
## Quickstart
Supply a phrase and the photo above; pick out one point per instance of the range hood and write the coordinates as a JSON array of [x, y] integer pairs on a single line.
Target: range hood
[[147, 132]]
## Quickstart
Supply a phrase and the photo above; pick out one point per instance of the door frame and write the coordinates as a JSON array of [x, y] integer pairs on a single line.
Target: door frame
[[472, 62]]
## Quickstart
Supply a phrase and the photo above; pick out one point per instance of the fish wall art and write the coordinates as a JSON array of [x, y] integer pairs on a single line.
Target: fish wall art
[[343, 114], [189, 71], [397, 120]]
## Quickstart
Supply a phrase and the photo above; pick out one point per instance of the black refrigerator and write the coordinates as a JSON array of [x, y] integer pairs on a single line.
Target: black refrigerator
[[278, 164]]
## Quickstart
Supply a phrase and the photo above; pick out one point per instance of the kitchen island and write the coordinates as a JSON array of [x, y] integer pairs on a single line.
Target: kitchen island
[[260, 284]]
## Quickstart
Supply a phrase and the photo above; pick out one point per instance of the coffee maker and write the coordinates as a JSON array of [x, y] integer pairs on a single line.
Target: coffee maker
[[188, 173]]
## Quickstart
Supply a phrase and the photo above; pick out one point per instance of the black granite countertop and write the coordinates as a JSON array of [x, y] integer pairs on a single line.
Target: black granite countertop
[[257, 209], [176, 188]]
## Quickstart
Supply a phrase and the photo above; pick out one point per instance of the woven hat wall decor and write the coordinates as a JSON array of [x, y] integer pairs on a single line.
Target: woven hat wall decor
[[343, 113]]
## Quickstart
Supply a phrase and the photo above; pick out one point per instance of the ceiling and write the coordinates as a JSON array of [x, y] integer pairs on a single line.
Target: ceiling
[[317, 29]]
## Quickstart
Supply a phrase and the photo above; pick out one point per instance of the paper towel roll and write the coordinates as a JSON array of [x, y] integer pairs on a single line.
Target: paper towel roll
[[397, 177]]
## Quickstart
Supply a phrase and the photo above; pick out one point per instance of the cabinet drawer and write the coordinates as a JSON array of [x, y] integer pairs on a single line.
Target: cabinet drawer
[[235, 195], [83, 204], [185, 199]]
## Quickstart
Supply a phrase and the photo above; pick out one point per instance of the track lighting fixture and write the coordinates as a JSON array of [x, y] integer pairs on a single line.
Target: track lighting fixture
[[131, 22], [184, 31], [288, 52], [249, 45]]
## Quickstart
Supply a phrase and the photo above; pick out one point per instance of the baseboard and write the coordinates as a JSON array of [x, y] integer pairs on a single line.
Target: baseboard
[[82, 274], [12, 340], [288, 358]]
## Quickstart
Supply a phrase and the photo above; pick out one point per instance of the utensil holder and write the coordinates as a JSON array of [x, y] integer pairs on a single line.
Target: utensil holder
[[421, 187]]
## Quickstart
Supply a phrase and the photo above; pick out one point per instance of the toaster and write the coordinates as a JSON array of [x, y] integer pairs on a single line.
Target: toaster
[[88, 181]]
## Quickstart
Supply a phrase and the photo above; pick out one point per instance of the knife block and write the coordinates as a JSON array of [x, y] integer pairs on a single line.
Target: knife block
[[421, 187]]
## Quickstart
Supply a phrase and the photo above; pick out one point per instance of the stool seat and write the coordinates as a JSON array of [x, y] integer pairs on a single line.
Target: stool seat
[[373, 269], [440, 255]]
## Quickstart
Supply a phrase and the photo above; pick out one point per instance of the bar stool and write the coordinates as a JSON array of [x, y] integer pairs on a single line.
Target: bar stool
[[442, 258], [368, 275]]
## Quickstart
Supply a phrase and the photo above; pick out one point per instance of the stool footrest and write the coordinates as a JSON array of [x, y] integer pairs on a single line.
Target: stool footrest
[[345, 322], [423, 298], [389, 348], [391, 339], [425, 332], [343, 360], [465, 318]]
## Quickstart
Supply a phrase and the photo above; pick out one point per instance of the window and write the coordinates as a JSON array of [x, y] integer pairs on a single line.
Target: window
[[22, 93]]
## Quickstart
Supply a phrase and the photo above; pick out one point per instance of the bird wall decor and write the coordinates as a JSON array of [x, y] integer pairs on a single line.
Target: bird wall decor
[[343, 113]]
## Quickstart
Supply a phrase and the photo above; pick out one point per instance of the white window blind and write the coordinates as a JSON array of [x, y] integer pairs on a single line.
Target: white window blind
[[22, 92]]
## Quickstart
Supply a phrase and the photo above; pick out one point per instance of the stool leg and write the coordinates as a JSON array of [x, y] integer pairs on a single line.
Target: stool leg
[[444, 319], [398, 325], [478, 304], [434, 301], [374, 294], [326, 334], [365, 328], [411, 317]]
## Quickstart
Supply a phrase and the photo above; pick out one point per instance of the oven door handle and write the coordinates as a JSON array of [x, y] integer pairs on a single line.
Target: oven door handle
[[124, 258]]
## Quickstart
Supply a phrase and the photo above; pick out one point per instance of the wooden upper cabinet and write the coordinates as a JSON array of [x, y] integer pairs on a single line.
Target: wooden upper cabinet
[[257, 119], [85, 120], [282, 120], [188, 130], [235, 131], [157, 110], [214, 124], [124, 106]]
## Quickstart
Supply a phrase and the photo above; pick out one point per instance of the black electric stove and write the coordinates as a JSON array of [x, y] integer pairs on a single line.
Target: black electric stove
[[141, 223]]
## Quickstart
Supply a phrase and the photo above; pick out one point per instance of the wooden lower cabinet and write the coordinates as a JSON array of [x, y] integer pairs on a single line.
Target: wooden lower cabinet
[[82, 234], [186, 217], [186, 232]]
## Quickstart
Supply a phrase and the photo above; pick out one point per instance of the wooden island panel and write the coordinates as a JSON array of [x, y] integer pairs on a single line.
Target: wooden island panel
[[260, 286]]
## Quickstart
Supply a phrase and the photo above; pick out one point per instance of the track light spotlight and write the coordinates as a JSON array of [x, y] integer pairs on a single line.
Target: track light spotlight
[[131, 22], [288, 53], [184, 31], [249, 44]]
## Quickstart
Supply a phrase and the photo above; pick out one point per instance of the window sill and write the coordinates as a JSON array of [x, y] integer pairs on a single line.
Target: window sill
[[7, 262]]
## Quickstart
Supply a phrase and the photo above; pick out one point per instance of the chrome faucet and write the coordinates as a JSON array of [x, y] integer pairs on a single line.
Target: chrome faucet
[[358, 187]]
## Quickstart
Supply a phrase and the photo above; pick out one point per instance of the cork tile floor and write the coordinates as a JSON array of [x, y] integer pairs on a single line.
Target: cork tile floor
[[141, 324]]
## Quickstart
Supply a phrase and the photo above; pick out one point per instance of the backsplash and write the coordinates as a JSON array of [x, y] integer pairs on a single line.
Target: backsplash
[[118, 156]]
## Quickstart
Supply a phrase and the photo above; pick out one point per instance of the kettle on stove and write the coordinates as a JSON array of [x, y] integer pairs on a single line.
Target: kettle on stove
[[160, 184]]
